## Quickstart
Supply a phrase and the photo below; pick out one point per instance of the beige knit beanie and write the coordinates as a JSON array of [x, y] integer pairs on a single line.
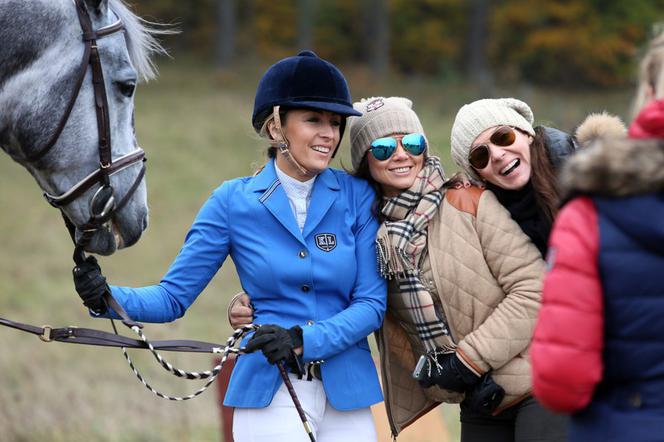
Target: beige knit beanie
[[381, 116], [478, 116]]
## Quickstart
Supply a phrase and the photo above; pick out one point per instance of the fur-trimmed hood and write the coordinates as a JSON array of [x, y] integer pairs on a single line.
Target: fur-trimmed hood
[[600, 125], [610, 164], [615, 167], [631, 169]]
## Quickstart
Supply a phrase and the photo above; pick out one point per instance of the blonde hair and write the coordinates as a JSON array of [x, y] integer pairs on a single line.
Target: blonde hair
[[264, 132], [651, 74]]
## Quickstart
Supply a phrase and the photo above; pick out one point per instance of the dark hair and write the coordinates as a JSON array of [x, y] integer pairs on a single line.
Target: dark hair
[[543, 177], [364, 173]]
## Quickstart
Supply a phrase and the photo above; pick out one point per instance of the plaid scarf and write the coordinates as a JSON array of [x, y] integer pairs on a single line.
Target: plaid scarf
[[402, 244]]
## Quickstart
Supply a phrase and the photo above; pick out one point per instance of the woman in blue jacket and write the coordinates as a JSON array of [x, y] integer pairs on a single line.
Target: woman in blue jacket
[[301, 237]]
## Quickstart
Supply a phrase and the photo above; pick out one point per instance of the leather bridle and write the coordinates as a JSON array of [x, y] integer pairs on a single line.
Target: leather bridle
[[102, 208], [103, 204]]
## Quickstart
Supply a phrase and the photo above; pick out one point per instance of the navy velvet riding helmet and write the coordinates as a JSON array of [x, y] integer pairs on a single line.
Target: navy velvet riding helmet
[[303, 81]]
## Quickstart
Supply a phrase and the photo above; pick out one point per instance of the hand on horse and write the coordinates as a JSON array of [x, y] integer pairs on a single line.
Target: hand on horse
[[450, 373], [277, 343], [91, 284]]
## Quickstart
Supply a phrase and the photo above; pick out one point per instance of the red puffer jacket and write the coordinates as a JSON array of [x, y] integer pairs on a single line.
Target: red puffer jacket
[[650, 121], [566, 352]]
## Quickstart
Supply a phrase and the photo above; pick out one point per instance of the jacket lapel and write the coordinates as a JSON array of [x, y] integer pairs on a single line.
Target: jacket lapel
[[324, 193], [273, 197]]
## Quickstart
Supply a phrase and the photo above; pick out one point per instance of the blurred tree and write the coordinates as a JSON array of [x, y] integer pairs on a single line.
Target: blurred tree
[[225, 33], [571, 43], [428, 35], [305, 23], [377, 35], [196, 24], [566, 42], [477, 66], [274, 28], [338, 33]]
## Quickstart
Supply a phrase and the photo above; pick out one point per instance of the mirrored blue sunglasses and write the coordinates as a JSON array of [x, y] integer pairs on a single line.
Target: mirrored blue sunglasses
[[383, 148]]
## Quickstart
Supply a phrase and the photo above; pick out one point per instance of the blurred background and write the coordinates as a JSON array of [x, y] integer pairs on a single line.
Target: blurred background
[[565, 58]]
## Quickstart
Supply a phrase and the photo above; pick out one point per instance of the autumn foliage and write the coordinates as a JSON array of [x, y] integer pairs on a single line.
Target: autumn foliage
[[562, 42]]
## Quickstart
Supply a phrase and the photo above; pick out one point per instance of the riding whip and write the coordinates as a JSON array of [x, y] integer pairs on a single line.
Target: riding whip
[[296, 401]]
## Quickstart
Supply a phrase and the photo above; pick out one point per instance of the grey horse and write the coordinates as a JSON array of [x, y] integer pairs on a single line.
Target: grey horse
[[40, 54]]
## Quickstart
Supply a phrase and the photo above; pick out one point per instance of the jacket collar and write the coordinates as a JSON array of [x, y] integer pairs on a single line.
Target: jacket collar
[[273, 197], [268, 175]]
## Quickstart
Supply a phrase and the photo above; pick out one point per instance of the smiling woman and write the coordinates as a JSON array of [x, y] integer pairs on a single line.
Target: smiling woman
[[494, 142], [313, 136], [300, 235]]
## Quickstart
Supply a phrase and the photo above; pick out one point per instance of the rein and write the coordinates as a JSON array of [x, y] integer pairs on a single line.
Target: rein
[[103, 206]]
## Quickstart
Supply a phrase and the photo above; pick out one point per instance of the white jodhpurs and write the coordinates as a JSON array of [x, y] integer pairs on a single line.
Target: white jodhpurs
[[279, 421]]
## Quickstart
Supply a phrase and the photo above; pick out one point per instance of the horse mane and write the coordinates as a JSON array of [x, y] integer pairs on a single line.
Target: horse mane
[[141, 37]]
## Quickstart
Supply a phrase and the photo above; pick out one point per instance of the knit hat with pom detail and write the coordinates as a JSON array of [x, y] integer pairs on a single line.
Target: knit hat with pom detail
[[381, 117], [478, 116]]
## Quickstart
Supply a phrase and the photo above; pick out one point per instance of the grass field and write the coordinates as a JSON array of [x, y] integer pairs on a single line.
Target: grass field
[[194, 125]]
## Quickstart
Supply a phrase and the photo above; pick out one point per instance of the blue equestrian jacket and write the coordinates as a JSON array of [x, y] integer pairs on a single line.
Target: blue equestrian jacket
[[323, 279]]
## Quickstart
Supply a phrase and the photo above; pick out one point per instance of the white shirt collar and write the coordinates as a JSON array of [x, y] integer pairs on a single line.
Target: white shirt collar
[[294, 187], [298, 193]]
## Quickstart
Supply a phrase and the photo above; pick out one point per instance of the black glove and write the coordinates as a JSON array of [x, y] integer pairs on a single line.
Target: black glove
[[276, 343], [91, 284], [485, 396], [449, 373]]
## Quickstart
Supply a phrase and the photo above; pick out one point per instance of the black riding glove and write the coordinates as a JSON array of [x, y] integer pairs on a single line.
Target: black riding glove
[[276, 343], [449, 373], [91, 284], [485, 396]]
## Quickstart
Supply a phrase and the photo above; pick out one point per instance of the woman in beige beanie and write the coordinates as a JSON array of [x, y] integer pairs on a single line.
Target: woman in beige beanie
[[464, 284]]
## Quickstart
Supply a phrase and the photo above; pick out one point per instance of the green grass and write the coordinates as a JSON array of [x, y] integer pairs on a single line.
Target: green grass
[[194, 124]]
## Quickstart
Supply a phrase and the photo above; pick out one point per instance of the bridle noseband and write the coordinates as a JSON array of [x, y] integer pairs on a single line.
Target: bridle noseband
[[103, 204]]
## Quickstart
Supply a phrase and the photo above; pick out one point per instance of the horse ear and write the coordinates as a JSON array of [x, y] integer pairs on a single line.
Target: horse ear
[[97, 6]]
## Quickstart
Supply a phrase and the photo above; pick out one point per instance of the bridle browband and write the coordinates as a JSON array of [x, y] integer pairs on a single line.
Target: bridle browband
[[103, 204]]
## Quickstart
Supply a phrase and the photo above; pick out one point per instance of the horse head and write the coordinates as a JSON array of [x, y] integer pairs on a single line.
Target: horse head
[[53, 120]]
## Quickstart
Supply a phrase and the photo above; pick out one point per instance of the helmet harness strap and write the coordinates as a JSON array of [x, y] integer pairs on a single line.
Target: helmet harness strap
[[281, 143]]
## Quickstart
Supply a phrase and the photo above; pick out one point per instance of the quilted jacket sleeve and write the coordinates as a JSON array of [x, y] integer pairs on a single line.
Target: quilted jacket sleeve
[[566, 353], [517, 267]]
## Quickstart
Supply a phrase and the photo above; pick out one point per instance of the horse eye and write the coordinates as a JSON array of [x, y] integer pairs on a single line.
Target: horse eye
[[126, 88]]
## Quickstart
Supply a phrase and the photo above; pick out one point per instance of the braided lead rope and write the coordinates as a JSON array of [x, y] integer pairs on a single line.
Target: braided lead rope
[[211, 375]]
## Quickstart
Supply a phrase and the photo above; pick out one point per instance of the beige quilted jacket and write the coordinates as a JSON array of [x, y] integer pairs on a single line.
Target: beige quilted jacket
[[487, 274]]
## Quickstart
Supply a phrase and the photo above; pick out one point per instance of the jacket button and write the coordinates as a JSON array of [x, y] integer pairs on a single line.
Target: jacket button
[[635, 400], [302, 254], [305, 288]]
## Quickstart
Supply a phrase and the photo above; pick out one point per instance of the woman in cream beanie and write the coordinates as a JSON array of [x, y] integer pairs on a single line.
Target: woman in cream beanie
[[493, 141]]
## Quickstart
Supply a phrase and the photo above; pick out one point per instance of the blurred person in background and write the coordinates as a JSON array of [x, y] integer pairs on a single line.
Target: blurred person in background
[[598, 352], [651, 75], [301, 237]]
